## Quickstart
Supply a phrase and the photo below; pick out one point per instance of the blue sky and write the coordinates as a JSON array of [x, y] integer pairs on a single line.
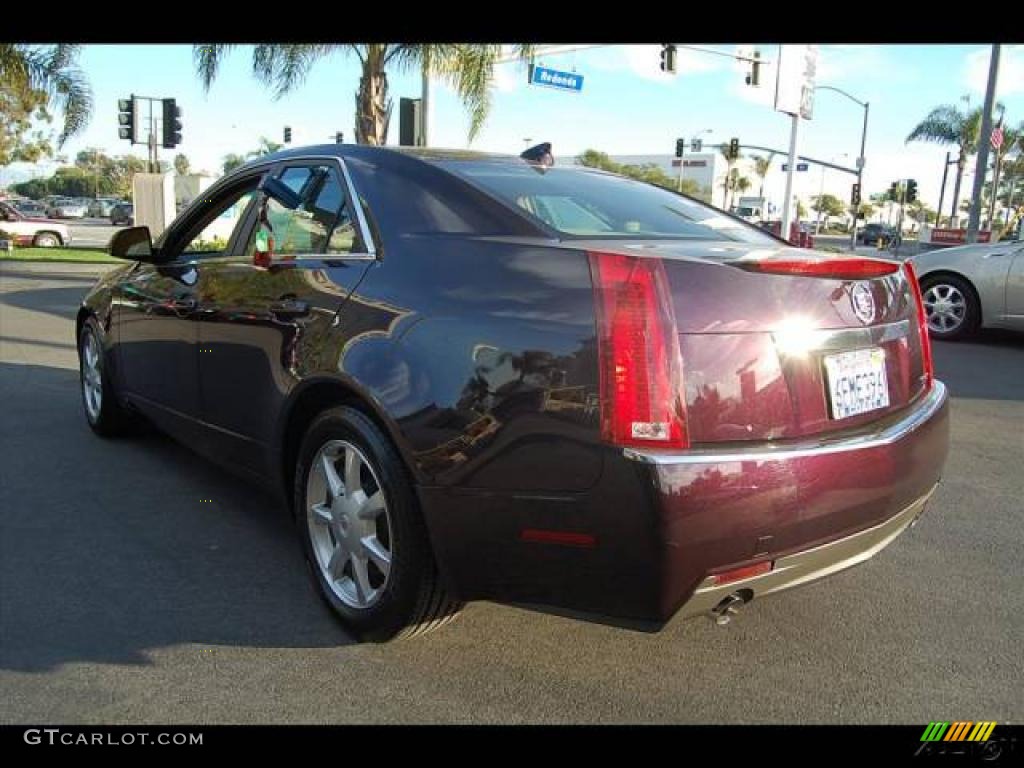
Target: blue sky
[[627, 105]]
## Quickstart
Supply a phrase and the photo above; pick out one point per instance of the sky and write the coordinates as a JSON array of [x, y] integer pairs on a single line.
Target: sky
[[627, 106]]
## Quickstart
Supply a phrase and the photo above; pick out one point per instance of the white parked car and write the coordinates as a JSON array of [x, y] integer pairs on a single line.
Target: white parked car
[[973, 286], [66, 208], [41, 233]]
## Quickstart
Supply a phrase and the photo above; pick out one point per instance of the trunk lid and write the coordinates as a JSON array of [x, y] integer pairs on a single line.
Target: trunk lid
[[762, 353]]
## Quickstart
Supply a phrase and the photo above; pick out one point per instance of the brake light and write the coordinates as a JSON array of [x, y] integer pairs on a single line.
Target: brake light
[[638, 352], [922, 326], [838, 269]]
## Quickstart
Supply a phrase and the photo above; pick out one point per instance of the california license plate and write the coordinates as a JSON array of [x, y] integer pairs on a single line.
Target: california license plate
[[856, 382]]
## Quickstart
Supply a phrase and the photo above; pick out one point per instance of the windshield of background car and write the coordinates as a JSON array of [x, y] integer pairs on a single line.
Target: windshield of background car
[[586, 204]]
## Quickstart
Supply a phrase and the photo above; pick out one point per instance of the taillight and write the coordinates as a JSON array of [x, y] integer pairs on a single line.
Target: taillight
[[638, 350], [922, 326], [837, 268]]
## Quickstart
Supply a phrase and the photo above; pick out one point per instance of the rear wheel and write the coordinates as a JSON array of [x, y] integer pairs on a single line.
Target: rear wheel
[[46, 240], [362, 533], [951, 307]]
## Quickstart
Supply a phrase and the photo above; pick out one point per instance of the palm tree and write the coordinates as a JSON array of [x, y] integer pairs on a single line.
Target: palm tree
[[726, 183], [50, 70], [762, 165], [949, 125], [283, 67], [266, 147]]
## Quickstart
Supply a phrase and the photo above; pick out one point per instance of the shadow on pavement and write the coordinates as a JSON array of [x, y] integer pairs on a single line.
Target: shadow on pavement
[[109, 548]]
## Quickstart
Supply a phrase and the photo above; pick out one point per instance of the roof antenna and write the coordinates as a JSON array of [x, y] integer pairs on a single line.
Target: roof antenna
[[539, 154]]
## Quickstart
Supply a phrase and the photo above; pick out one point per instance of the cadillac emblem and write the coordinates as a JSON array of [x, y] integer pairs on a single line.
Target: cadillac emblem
[[863, 302]]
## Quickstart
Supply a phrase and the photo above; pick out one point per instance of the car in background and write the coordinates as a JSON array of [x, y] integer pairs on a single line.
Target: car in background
[[66, 208], [481, 376], [30, 208], [122, 213], [872, 233], [32, 231], [101, 207], [973, 286]]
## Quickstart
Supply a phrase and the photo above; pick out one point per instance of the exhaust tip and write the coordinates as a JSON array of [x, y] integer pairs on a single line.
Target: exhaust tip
[[730, 605]]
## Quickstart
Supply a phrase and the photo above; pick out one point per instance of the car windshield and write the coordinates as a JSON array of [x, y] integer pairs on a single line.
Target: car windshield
[[582, 203]]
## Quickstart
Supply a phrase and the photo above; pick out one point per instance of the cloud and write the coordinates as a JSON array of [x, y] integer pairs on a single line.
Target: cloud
[[645, 60], [1011, 70]]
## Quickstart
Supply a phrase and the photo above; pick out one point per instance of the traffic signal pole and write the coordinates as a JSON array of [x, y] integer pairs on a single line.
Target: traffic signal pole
[[787, 203]]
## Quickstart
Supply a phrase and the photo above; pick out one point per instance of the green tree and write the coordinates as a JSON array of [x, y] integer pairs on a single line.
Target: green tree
[[284, 66], [48, 78], [827, 205], [232, 161], [951, 126], [727, 182], [181, 164], [266, 147], [865, 211], [649, 173], [762, 165]]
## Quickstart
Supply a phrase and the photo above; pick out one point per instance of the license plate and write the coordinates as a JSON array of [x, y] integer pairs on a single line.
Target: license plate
[[856, 382]]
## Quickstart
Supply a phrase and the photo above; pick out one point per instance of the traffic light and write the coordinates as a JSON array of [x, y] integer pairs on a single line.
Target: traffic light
[[680, 147], [894, 191], [911, 190], [696, 145], [171, 124], [339, 138], [668, 58], [855, 196], [287, 134], [754, 77], [129, 118], [734, 148]]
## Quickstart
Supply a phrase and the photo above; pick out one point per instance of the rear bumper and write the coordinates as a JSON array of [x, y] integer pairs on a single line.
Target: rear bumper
[[645, 541], [810, 507]]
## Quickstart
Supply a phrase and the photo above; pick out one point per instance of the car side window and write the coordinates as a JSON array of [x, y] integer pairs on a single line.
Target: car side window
[[210, 237], [322, 224]]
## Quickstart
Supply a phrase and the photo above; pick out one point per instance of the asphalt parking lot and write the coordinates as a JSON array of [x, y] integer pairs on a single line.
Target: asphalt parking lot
[[124, 598]]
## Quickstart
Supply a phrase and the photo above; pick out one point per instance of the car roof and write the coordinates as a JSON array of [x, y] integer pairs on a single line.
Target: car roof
[[429, 155]]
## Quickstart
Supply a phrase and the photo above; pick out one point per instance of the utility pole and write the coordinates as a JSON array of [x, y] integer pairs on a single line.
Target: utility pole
[[984, 138], [942, 193], [787, 203], [425, 105]]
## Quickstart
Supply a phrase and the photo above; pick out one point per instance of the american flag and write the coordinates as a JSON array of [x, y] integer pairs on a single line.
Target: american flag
[[997, 135]]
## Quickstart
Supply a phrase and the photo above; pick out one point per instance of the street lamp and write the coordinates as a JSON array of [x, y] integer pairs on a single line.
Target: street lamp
[[860, 159]]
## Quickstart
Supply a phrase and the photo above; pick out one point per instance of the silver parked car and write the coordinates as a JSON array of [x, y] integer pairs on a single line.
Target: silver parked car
[[973, 286], [66, 208]]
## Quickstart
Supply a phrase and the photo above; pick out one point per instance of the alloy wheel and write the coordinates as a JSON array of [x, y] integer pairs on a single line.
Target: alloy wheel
[[349, 525], [92, 377], [945, 307]]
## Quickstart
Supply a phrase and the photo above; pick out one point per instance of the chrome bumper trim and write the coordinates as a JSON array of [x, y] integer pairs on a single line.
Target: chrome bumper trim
[[810, 564], [920, 414]]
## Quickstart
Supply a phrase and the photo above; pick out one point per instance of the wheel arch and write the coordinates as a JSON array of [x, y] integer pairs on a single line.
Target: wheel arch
[[946, 272], [55, 233], [311, 398]]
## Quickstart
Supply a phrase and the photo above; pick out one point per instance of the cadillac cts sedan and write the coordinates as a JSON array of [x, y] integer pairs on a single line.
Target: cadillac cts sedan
[[474, 376]]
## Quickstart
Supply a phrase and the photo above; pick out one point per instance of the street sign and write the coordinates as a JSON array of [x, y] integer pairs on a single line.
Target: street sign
[[794, 89], [553, 78], [799, 166]]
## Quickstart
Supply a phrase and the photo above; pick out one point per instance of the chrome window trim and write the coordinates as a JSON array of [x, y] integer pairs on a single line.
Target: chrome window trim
[[921, 413]]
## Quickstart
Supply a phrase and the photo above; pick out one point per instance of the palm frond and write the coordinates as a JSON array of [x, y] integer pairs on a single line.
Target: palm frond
[[208, 58], [943, 125]]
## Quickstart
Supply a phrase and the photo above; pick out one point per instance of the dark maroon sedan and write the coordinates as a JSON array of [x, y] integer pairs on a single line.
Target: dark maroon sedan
[[482, 377]]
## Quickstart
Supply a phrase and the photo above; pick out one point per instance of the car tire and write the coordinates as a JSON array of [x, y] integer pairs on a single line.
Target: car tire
[[347, 533], [46, 240], [104, 414], [952, 308]]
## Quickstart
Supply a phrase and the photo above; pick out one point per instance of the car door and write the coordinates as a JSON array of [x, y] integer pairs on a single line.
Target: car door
[[255, 319], [157, 310], [1015, 289]]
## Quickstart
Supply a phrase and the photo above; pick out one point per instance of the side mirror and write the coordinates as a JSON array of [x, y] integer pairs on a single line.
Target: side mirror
[[281, 192], [134, 244]]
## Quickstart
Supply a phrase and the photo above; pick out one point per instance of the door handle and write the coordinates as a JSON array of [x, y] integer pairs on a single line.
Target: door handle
[[290, 308]]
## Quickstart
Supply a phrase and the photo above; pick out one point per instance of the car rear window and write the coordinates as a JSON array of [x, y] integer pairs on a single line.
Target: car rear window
[[581, 203]]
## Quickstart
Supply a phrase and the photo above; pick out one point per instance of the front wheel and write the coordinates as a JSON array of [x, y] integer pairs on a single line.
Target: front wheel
[[362, 533], [104, 414], [950, 307]]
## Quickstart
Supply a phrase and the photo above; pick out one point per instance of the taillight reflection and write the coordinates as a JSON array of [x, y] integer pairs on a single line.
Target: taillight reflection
[[922, 326]]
